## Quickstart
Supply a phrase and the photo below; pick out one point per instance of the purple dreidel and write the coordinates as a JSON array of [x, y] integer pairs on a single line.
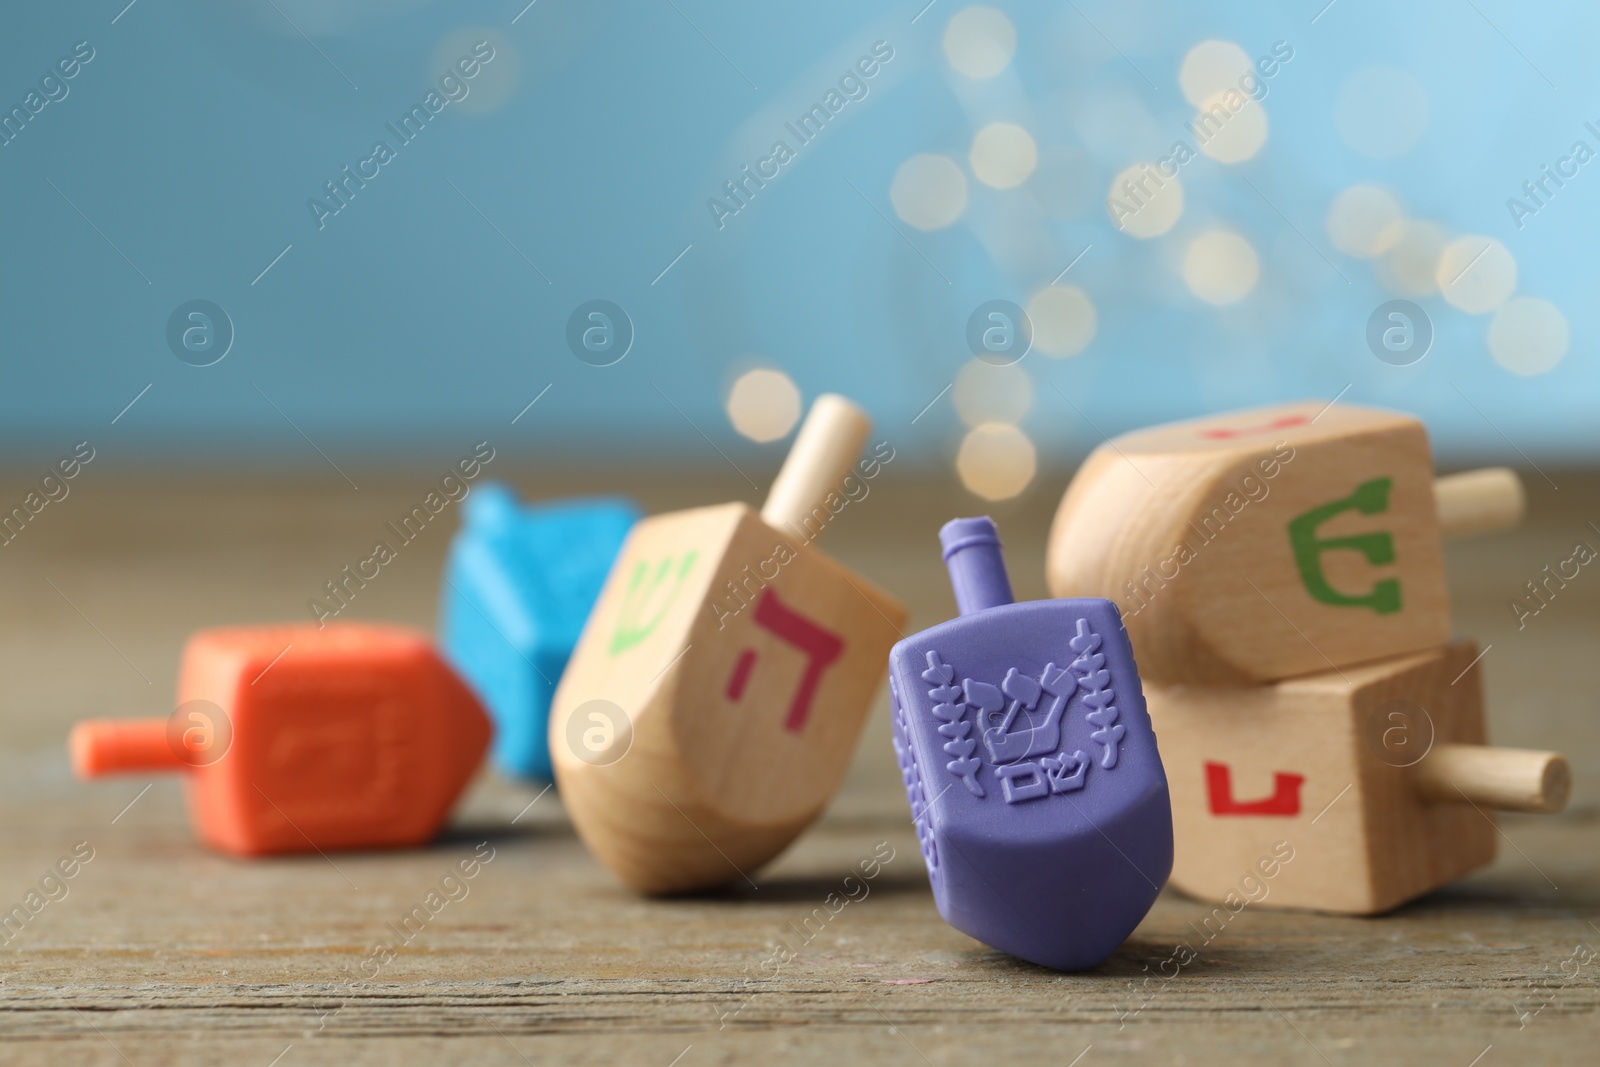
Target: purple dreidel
[[1033, 776]]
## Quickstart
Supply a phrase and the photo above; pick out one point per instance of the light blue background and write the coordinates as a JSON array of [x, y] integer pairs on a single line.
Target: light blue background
[[409, 327]]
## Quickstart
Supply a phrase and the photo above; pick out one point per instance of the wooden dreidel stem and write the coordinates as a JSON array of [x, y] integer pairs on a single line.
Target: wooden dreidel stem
[[1253, 547], [294, 738], [1030, 766], [1479, 501], [712, 705], [823, 452], [1509, 779]]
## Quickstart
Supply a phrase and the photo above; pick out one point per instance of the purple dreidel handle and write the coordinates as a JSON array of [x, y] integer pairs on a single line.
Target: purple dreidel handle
[[1033, 775], [972, 553]]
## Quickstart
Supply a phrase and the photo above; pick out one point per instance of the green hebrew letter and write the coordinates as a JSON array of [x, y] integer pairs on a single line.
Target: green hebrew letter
[[631, 625], [1370, 498]]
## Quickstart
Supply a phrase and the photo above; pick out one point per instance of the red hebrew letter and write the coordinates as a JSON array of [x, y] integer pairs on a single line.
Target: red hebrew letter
[[741, 674], [1224, 434], [1285, 798], [821, 647]]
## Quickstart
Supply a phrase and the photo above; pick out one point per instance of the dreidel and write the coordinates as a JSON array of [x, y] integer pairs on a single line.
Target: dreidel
[[293, 738], [1032, 772], [518, 584], [1358, 789], [722, 681], [1262, 545]]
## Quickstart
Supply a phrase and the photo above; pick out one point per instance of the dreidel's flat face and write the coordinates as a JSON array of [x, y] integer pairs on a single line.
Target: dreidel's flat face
[[745, 666], [771, 700], [350, 737], [1034, 777], [1311, 779], [1260, 545]]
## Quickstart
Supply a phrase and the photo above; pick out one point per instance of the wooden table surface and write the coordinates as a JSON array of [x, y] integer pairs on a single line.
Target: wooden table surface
[[162, 953]]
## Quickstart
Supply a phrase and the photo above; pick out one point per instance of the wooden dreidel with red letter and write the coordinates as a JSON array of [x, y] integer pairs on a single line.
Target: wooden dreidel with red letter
[[721, 683], [1266, 544], [294, 738], [1348, 791]]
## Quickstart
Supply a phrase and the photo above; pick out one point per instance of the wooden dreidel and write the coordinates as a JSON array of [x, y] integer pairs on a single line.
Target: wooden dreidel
[[716, 696], [294, 738], [1033, 775], [1267, 544], [1348, 791], [518, 585]]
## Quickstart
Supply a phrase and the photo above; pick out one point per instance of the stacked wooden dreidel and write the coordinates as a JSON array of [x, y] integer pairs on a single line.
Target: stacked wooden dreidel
[[518, 584], [1032, 772], [1282, 579], [721, 683], [299, 738]]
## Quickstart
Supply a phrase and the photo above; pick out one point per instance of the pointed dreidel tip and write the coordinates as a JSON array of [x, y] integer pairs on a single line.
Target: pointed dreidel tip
[[976, 562], [111, 746]]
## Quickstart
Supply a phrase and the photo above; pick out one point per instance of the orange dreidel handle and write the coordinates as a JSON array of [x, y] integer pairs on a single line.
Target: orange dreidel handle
[[112, 746]]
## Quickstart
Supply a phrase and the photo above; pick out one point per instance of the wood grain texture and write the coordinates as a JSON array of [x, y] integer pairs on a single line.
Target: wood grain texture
[[1326, 768], [1480, 501], [1505, 779], [824, 451], [1262, 544], [164, 953]]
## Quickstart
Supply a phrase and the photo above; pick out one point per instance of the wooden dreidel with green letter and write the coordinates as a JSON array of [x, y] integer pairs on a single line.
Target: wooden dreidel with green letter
[[721, 683], [1266, 544], [1349, 791]]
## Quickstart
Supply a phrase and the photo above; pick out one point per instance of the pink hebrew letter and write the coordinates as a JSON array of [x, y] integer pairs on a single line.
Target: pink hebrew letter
[[821, 647]]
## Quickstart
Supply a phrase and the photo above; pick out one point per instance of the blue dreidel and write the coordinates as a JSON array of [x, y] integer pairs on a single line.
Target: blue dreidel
[[519, 584], [1038, 794]]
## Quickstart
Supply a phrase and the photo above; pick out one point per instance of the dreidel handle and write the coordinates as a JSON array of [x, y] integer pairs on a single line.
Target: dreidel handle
[[977, 564], [1510, 779], [112, 746], [823, 452], [1479, 501]]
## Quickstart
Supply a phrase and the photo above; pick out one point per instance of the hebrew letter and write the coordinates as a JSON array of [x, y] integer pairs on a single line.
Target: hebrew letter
[[1370, 498], [821, 647], [632, 627], [1285, 798]]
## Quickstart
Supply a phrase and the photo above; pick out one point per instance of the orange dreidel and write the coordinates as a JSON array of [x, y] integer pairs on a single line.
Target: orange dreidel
[[295, 738]]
